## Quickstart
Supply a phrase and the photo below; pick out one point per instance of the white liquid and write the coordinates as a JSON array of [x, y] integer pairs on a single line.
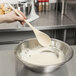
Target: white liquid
[[37, 57]]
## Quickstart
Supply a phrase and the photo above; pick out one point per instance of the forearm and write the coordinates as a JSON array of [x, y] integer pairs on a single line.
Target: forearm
[[2, 18]]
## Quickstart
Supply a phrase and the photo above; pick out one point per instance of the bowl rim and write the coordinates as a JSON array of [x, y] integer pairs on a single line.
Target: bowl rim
[[43, 66]]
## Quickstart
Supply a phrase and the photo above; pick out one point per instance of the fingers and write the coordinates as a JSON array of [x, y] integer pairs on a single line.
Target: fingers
[[22, 23], [20, 19], [22, 14]]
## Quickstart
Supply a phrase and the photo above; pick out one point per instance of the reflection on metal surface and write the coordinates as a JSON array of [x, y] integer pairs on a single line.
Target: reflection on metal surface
[[70, 11], [21, 70]]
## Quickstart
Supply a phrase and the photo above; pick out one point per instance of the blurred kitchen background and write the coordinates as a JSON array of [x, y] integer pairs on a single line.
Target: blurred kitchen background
[[55, 17]]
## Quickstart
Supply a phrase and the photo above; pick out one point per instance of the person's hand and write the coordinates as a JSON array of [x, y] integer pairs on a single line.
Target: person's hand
[[12, 16]]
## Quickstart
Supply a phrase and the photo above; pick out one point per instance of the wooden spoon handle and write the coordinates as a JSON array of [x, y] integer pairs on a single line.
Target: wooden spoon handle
[[20, 15]]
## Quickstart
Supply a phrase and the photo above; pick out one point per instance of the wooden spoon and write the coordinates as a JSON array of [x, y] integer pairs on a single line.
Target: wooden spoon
[[42, 38]]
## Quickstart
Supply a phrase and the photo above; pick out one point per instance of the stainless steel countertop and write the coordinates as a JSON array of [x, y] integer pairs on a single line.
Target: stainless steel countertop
[[46, 21], [9, 65]]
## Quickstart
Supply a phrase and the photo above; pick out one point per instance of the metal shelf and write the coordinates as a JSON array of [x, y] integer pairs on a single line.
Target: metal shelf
[[46, 21]]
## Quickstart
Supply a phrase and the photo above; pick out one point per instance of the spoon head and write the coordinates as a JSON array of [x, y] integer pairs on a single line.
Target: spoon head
[[43, 38]]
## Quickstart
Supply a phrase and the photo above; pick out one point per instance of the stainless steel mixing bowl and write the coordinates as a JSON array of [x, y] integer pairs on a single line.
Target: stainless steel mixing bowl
[[33, 43]]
